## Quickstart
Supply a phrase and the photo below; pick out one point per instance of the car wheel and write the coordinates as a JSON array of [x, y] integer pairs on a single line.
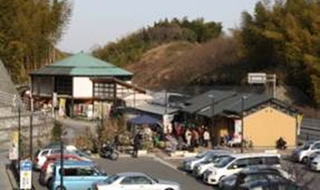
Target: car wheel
[[169, 189], [60, 188], [221, 178], [304, 160], [49, 182]]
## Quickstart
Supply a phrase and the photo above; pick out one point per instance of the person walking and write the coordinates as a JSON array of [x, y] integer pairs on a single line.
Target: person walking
[[206, 138]]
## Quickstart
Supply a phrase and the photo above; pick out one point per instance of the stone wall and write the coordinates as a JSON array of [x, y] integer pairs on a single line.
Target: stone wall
[[42, 125]]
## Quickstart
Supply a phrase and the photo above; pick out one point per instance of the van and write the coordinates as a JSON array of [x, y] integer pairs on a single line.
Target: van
[[234, 163], [77, 175]]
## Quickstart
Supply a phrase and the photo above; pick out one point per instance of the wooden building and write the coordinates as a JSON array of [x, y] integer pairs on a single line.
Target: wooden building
[[82, 85]]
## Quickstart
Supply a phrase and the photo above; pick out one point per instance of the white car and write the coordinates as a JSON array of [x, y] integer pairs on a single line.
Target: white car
[[201, 167], [41, 155], [189, 163], [301, 154], [236, 162], [134, 181], [315, 164]]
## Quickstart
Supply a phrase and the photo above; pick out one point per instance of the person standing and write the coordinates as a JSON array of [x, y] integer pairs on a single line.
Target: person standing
[[136, 145], [206, 138], [188, 137]]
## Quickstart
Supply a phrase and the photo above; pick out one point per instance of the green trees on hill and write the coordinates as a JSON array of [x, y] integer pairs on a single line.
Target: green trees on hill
[[130, 48], [285, 37], [29, 31]]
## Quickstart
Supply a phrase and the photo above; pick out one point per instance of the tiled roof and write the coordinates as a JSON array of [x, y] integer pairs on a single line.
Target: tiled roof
[[228, 101], [82, 65]]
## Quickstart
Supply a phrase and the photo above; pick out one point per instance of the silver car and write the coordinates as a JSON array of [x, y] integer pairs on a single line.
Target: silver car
[[189, 163], [133, 181]]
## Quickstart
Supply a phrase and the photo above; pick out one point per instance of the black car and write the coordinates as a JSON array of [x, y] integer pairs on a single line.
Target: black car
[[255, 177]]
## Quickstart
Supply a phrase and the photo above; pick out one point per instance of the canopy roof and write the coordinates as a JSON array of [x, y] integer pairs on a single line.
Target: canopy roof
[[82, 65], [144, 119]]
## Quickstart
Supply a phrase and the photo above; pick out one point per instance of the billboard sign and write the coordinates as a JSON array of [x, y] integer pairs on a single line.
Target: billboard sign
[[257, 78]]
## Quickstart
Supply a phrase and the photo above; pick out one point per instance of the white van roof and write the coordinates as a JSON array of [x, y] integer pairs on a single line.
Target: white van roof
[[248, 155]]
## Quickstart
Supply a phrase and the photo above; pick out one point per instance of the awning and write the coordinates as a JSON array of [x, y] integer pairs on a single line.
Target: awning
[[144, 119]]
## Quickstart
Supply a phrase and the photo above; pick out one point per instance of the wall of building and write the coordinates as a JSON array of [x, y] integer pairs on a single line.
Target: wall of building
[[265, 126], [82, 87]]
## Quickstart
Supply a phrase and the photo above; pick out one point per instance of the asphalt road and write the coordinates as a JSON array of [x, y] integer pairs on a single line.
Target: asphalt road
[[150, 166]]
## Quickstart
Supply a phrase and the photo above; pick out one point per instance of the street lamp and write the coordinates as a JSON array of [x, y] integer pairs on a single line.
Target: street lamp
[[211, 96], [243, 98]]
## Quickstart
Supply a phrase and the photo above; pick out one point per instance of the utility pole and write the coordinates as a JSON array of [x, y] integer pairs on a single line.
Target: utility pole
[[211, 96], [243, 98]]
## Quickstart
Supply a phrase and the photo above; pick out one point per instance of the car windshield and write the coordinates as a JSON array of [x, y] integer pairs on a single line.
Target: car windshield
[[217, 159], [202, 154], [154, 179], [81, 154], [111, 179], [305, 147], [224, 161]]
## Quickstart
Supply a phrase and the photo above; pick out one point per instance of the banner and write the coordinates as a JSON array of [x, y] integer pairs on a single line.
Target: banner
[[14, 146], [237, 126]]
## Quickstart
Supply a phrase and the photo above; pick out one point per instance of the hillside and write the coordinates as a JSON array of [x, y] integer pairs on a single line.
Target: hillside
[[181, 63]]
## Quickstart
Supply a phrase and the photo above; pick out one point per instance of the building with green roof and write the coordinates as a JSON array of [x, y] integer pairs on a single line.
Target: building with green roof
[[80, 80]]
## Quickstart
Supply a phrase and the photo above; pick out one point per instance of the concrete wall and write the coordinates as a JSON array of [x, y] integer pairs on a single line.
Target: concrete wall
[[82, 87], [265, 126]]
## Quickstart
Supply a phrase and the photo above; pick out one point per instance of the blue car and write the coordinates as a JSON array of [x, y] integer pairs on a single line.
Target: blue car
[[77, 175]]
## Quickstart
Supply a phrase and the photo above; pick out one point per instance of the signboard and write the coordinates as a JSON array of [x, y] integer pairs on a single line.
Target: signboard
[[14, 146], [55, 100], [237, 126], [25, 174], [257, 78]]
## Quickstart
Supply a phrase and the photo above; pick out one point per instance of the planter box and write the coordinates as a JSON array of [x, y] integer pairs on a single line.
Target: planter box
[[142, 152], [183, 154]]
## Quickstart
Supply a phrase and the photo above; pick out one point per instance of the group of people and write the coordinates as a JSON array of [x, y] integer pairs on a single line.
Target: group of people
[[193, 137]]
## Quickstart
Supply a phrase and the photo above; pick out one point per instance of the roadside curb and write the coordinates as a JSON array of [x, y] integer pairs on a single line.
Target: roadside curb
[[11, 178]]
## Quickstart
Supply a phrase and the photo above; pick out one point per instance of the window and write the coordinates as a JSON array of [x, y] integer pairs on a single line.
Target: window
[[255, 161], [44, 152], [272, 160], [316, 146], [241, 163], [56, 151], [142, 180], [136, 180], [127, 181], [86, 172], [69, 172]]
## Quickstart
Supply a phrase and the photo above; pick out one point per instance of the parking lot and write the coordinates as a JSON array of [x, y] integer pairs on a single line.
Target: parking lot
[[167, 170], [151, 166]]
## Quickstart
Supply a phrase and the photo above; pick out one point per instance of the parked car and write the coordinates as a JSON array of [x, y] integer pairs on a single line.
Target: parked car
[[315, 163], [236, 162], [134, 181], [77, 175], [201, 167], [189, 163], [251, 174], [270, 184], [312, 156], [41, 156], [47, 168], [301, 154]]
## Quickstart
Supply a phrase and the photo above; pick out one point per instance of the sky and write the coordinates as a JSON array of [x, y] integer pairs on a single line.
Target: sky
[[96, 22]]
